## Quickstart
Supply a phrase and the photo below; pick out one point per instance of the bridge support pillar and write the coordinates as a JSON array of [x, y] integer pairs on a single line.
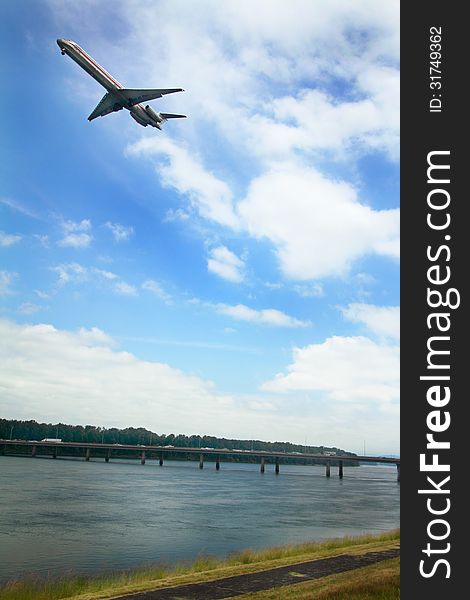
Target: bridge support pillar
[[262, 464], [328, 467], [87, 455], [33, 451], [217, 463], [54, 452], [106, 458], [160, 462], [4, 449], [398, 472], [276, 468], [142, 458], [340, 469], [201, 461]]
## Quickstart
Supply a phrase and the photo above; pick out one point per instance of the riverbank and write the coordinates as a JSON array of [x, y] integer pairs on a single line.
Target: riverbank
[[383, 576]]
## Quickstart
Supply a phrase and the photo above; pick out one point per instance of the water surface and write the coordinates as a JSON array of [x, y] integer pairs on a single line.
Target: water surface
[[71, 515]]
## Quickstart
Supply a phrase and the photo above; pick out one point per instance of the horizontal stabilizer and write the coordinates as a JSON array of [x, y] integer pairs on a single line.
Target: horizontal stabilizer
[[106, 105], [134, 97], [170, 116]]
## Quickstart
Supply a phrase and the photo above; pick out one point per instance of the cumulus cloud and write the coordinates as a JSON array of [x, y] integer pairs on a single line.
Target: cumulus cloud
[[121, 233], [8, 239], [328, 77], [51, 374], [380, 320], [267, 316], [76, 377], [70, 273], [348, 369], [76, 234], [183, 171], [315, 120], [318, 226], [224, 263]]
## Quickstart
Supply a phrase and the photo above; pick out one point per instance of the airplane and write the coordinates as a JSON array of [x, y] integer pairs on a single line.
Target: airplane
[[117, 97]]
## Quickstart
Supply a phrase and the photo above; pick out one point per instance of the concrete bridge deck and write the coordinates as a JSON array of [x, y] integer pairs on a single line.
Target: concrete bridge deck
[[144, 450]]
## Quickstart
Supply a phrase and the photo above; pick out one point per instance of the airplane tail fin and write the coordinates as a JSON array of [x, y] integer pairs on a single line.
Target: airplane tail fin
[[171, 116]]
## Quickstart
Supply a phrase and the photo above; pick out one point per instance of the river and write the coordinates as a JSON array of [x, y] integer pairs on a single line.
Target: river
[[66, 515]]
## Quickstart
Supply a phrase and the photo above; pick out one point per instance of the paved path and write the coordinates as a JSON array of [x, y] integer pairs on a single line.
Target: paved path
[[264, 580]]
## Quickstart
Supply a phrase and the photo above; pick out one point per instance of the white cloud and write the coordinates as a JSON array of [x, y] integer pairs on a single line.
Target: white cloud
[[314, 290], [76, 240], [75, 234], [42, 239], [76, 273], [350, 369], [175, 215], [8, 239], [125, 289], [29, 308], [6, 279], [380, 320], [183, 171], [267, 316], [109, 275], [70, 273], [296, 86], [224, 263], [318, 226], [314, 120], [79, 377], [71, 226], [121, 233], [156, 289], [43, 295]]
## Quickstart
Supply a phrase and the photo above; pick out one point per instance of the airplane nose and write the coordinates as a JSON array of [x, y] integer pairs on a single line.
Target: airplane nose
[[62, 44]]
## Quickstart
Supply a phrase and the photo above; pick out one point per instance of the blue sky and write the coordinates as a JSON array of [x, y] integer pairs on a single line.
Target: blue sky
[[236, 274]]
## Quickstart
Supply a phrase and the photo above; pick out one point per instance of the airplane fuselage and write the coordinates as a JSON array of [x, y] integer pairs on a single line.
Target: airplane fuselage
[[89, 65], [117, 97]]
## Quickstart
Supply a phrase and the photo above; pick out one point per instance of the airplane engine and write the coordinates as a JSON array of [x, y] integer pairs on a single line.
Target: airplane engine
[[154, 115], [138, 119]]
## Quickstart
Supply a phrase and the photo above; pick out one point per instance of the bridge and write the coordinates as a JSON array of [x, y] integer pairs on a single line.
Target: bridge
[[143, 451]]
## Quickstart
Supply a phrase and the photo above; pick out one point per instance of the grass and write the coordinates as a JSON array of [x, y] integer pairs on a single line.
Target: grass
[[108, 585]]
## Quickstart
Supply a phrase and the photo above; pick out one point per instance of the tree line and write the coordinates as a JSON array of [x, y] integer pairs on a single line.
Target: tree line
[[12, 429]]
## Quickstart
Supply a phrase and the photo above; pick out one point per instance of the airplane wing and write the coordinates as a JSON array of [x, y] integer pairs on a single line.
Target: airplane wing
[[106, 105], [136, 96]]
